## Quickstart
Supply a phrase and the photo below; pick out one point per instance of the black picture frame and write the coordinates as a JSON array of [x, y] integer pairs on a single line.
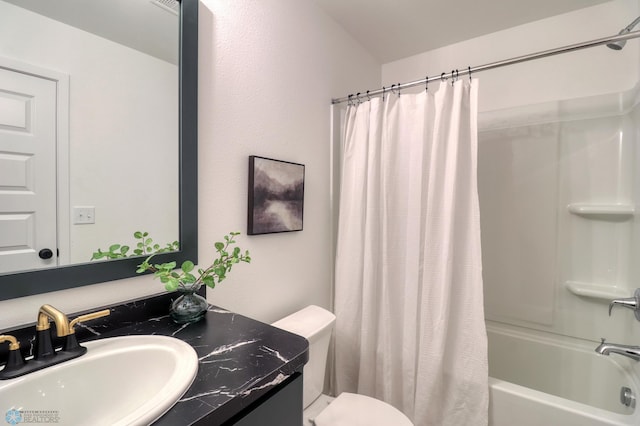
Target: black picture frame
[[276, 196]]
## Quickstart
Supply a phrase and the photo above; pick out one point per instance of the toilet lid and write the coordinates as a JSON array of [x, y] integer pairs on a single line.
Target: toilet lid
[[350, 409]]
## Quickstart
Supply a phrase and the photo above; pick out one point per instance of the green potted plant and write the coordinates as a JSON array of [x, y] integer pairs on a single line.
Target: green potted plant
[[189, 306]]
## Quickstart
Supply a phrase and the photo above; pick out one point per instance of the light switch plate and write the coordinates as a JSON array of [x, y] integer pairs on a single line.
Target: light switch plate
[[84, 215]]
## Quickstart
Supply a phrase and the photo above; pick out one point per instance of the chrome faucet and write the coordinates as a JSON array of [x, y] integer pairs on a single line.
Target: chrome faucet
[[632, 352]]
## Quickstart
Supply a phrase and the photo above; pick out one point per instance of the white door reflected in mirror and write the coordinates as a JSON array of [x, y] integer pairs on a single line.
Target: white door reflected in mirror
[[27, 171]]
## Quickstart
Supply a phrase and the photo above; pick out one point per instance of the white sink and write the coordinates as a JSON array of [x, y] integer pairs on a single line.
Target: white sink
[[129, 380]]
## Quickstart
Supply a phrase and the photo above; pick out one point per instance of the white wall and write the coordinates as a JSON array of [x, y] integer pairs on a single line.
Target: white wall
[[542, 147], [276, 67], [268, 71], [115, 93]]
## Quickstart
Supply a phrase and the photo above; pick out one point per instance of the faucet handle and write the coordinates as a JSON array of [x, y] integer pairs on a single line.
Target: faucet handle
[[71, 342], [15, 361], [14, 345], [87, 317], [628, 302]]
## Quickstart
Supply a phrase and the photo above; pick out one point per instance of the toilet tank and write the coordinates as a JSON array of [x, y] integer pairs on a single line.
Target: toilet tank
[[315, 324]]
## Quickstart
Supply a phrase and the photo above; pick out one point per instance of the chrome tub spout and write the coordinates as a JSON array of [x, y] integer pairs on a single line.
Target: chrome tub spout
[[632, 352]]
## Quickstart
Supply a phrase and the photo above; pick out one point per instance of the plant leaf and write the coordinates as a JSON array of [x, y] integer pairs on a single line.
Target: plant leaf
[[187, 266], [169, 265], [172, 285]]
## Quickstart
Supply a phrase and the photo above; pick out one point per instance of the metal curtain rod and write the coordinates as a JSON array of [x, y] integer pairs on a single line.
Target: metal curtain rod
[[492, 65]]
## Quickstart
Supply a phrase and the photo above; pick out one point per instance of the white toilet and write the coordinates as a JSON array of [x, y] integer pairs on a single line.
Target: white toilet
[[348, 409]]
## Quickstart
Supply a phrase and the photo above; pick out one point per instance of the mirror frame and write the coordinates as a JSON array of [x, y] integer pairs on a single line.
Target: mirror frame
[[39, 281]]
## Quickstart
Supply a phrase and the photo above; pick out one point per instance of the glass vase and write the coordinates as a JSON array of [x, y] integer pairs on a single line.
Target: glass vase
[[189, 306]]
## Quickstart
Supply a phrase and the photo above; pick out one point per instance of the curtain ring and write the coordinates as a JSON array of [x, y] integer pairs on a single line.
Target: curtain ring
[[358, 101], [426, 83], [368, 96], [453, 77], [469, 68], [384, 89], [398, 88], [350, 101], [443, 78]]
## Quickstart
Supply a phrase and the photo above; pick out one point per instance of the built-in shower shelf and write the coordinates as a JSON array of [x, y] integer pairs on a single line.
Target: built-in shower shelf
[[602, 210], [596, 291]]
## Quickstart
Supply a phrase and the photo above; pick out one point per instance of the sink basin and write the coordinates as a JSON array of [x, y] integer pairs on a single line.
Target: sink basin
[[129, 380]]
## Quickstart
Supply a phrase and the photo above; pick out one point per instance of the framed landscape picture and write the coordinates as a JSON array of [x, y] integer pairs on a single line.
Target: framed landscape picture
[[276, 196]]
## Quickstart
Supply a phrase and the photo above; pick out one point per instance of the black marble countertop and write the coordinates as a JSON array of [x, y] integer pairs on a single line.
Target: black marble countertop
[[240, 359]]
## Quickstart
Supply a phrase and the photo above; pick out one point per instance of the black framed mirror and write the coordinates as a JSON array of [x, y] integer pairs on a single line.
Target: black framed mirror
[[20, 284]]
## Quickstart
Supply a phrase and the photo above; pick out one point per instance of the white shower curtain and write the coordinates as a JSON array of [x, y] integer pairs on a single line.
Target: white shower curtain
[[410, 322]]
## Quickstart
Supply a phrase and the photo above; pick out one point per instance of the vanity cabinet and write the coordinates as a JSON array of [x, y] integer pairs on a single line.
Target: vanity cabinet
[[283, 407]]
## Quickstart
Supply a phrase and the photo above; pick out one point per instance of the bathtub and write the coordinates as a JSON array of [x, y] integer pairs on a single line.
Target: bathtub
[[541, 379]]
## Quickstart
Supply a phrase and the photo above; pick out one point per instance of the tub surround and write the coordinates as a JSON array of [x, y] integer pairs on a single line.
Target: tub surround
[[243, 363]]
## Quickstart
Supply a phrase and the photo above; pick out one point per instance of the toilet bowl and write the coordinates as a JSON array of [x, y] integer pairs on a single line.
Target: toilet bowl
[[348, 409]]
